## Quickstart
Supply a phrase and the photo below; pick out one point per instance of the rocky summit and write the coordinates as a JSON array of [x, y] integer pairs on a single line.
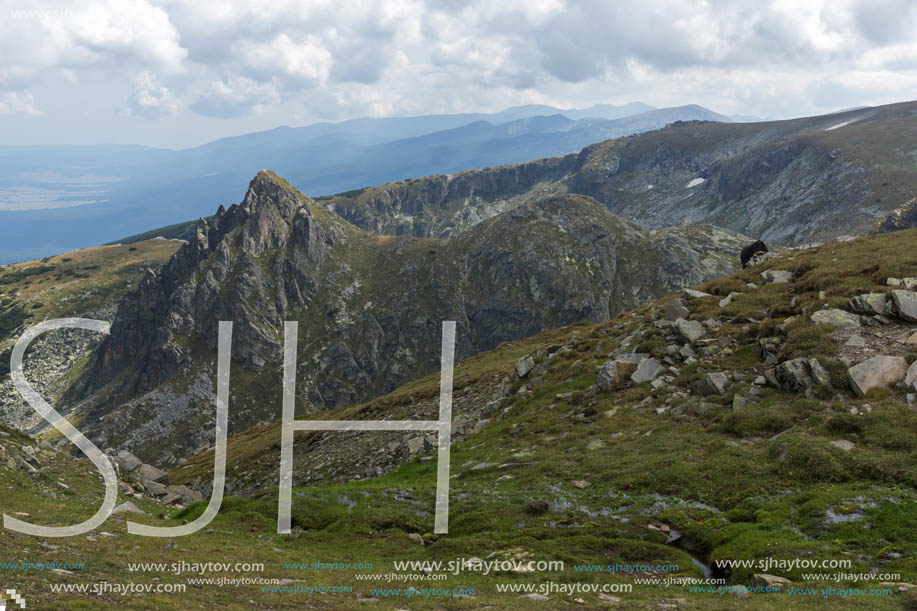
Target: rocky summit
[[369, 306]]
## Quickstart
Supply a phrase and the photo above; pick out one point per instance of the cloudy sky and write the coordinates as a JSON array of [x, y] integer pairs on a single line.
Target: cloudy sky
[[178, 73]]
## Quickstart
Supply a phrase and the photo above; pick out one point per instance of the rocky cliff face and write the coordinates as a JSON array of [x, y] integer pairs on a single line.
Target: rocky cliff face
[[369, 306], [789, 182], [445, 204]]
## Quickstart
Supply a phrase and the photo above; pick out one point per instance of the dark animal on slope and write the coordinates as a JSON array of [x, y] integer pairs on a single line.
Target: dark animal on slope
[[751, 250]]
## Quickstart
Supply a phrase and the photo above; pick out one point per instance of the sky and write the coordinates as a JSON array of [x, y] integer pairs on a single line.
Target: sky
[[177, 73]]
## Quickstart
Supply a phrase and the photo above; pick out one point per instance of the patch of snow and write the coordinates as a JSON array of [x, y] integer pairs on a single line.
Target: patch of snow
[[648, 187], [828, 129], [694, 182]]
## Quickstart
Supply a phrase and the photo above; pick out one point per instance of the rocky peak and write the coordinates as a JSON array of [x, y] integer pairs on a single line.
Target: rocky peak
[[249, 263], [369, 306]]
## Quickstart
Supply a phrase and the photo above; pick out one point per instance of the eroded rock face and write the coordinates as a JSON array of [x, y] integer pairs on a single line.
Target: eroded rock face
[[369, 307], [218, 276]]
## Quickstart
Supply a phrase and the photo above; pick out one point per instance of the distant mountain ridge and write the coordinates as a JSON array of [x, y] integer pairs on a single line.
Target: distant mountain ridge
[[789, 182], [129, 190]]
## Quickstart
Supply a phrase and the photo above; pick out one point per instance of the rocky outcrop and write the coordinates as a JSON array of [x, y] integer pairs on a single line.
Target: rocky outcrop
[[802, 375], [369, 307], [444, 204], [878, 372], [902, 217]]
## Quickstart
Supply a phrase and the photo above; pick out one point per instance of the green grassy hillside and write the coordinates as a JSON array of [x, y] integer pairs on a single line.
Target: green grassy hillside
[[550, 467]]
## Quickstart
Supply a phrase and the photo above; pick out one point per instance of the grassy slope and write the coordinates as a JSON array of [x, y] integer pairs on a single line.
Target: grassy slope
[[178, 231], [713, 473], [72, 283]]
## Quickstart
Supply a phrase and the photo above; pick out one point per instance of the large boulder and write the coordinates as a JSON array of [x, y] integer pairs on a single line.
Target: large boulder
[[801, 375], [186, 495], [689, 330], [127, 462], [151, 473], [878, 372], [647, 371], [613, 372], [153, 488], [675, 309], [905, 305], [711, 384], [836, 318], [869, 303], [524, 366], [777, 276]]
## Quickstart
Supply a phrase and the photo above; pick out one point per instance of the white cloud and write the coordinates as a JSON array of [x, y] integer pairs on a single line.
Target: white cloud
[[324, 60], [235, 96], [102, 32], [305, 62], [150, 99], [18, 101]]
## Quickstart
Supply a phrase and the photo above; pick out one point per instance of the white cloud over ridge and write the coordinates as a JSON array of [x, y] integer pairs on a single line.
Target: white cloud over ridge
[[323, 60]]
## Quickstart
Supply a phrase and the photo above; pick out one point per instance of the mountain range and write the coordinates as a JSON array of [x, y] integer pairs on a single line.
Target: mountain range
[[54, 199], [624, 392]]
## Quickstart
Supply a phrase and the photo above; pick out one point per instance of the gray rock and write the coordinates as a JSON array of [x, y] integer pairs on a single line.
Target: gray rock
[[843, 444], [127, 462], [855, 341], [696, 294], [689, 330], [614, 371], [675, 309], [151, 473], [910, 283], [777, 276], [535, 596], [738, 402], [836, 318], [711, 384], [763, 580], [154, 488], [186, 495], [647, 370], [127, 507], [524, 366], [905, 304], [910, 378], [632, 357], [728, 299], [420, 444], [869, 303], [800, 375], [878, 372]]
